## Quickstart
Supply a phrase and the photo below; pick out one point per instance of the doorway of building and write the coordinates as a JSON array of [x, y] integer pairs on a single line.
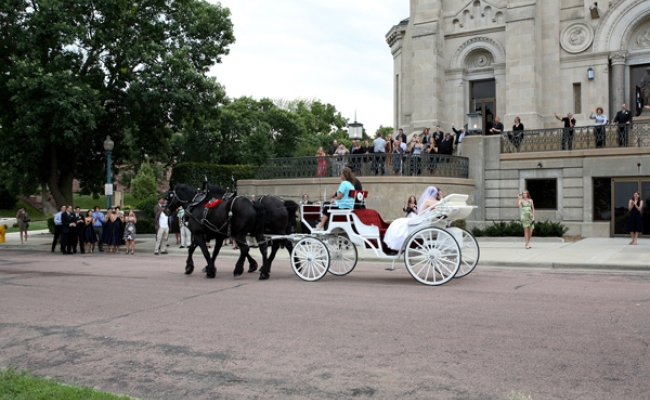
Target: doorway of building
[[483, 95], [622, 191]]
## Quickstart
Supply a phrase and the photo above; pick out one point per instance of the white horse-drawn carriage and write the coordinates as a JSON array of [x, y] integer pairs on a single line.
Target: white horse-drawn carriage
[[434, 252]]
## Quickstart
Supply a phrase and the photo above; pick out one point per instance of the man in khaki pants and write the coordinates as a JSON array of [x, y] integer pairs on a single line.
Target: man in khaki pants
[[162, 229]]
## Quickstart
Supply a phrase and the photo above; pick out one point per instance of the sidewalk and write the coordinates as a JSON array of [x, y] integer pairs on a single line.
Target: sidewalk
[[549, 253]]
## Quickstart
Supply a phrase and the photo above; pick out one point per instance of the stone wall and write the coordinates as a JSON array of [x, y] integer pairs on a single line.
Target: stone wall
[[386, 194]]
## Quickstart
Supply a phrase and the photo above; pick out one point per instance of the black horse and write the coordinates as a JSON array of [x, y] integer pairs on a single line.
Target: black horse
[[277, 221], [279, 215], [234, 217]]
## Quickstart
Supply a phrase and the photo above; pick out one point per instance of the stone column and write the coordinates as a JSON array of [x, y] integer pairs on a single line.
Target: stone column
[[617, 91]]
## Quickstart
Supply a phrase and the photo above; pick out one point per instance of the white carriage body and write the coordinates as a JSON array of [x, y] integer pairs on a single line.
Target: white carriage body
[[367, 235], [433, 252]]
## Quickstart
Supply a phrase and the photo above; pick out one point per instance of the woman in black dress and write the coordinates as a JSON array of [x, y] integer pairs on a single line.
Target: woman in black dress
[[517, 134], [635, 222], [89, 237]]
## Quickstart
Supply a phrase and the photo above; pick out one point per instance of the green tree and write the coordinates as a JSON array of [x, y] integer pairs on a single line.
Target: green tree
[[73, 72], [144, 184], [385, 130]]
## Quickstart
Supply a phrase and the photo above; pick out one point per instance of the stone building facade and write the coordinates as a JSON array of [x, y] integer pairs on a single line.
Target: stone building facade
[[512, 58]]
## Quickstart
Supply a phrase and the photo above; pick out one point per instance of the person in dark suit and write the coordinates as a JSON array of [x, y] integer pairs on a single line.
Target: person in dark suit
[[80, 231], [67, 230], [567, 134], [624, 120]]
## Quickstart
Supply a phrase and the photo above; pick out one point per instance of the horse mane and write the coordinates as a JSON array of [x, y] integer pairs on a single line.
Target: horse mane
[[217, 191], [185, 192]]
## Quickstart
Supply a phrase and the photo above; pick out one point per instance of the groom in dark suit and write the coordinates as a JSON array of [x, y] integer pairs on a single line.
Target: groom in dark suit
[[624, 120], [68, 230]]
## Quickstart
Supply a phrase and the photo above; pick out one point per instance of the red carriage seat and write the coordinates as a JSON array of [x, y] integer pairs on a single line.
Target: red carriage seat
[[372, 217], [359, 197]]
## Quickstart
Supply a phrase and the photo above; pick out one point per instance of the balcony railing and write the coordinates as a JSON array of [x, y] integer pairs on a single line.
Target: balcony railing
[[577, 138], [365, 165]]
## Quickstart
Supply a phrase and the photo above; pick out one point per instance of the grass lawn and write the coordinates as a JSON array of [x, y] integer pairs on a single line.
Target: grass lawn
[[33, 226], [14, 385], [33, 213], [88, 202]]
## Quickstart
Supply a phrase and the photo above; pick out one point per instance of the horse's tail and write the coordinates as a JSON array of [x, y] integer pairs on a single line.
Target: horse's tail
[[260, 210], [292, 207]]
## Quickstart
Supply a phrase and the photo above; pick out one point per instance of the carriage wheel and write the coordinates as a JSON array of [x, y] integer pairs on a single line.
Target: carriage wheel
[[343, 254], [469, 250], [432, 256], [310, 259]]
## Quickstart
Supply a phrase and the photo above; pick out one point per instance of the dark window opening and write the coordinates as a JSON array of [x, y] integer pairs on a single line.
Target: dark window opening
[[602, 195], [543, 192]]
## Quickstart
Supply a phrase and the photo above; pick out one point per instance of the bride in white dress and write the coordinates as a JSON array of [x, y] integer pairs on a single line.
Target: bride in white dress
[[398, 230]]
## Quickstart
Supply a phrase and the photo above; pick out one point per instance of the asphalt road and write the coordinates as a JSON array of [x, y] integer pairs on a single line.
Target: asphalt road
[[136, 325]]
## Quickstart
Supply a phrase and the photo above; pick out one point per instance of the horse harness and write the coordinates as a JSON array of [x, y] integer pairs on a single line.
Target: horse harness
[[199, 198]]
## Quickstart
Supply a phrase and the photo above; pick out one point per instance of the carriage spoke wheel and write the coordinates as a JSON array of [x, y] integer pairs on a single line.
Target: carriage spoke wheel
[[343, 255], [310, 259], [432, 256], [469, 249]]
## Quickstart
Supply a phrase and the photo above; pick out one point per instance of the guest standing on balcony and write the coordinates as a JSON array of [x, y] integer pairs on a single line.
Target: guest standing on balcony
[[599, 129], [517, 134], [624, 120], [567, 133], [379, 147], [447, 145], [527, 215], [321, 170], [635, 222], [357, 152], [401, 135], [460, 135], [497, 128], [432, 151]]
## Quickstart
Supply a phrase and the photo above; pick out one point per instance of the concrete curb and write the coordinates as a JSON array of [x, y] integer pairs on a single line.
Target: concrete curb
[[559, 265]]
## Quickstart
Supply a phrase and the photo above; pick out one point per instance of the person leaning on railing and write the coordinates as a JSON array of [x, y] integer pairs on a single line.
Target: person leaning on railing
[[599, 129], [517, 134], [624, 120]]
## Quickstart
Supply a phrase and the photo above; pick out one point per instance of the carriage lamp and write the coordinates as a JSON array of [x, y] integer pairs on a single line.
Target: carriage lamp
[[108, 189], [475, 123], [590, 74], [355, 129]]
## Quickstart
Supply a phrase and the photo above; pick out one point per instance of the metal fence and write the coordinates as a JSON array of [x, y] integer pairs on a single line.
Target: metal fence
[[365, 165], [577, 138]]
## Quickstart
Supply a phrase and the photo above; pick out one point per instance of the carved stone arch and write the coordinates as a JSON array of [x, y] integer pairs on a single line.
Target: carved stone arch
[[475, 43], [619, 23]]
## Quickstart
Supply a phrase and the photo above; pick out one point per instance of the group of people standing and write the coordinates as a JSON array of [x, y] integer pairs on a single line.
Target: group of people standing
[[75, 230]]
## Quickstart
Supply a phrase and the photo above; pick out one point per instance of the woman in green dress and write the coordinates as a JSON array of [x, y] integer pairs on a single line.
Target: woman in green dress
[[527, 215]]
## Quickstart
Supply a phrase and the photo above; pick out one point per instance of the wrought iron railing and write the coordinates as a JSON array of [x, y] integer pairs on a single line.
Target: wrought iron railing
[[365, 165], [577, 138]]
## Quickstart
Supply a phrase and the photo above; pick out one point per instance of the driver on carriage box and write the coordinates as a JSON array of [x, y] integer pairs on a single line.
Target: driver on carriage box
[[398, 230], [342, 196]]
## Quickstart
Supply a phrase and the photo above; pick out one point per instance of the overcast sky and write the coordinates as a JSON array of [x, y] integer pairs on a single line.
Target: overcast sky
[[331, 50]]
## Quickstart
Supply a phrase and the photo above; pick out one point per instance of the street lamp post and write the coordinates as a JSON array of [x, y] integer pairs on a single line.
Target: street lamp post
[[108, 189]]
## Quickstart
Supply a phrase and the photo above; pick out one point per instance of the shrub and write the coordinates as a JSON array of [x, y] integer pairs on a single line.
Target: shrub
[[146, 225], [460, 223], [144, 184], [147, 206], [514, 228], [193, 174], [50, 224], [7, 199]]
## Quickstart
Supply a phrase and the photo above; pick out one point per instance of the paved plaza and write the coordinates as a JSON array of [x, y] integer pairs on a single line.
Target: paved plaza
[[137, 325]]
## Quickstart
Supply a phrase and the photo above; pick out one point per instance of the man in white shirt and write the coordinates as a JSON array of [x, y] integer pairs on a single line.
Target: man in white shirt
[[186, 235], [162, 229], [379, 146], [57, 228]]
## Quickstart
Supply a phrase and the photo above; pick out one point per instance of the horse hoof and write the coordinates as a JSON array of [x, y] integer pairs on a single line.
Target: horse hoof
[[238, 273], [252, 268], [264, 276], [205, 269], [189, 269]]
